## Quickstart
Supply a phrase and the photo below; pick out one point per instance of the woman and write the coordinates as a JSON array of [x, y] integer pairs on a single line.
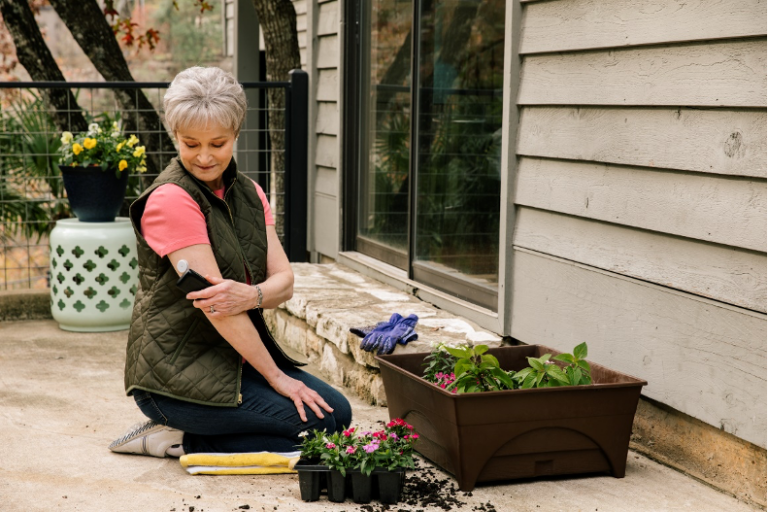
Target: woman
[[202, 366]]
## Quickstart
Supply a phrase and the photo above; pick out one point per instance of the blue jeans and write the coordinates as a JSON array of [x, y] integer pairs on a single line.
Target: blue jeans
[[265, 421]]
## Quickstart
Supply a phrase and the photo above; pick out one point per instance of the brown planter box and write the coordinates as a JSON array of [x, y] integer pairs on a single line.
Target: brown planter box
[[522, 433]]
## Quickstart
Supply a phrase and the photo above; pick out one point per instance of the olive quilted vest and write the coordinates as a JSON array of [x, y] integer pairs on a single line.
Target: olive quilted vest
[[173, 349]]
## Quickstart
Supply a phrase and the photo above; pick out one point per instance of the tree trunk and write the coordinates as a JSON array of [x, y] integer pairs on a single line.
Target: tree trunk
[[89, 26], [277, 20], [37, 59]]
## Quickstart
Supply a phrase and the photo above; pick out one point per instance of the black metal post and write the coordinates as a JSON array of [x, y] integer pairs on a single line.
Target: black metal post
[[296, 140]]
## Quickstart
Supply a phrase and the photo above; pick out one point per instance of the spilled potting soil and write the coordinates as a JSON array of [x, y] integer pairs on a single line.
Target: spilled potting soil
[[424, 490]]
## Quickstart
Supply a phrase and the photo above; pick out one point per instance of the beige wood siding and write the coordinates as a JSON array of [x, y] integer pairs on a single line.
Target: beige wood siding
[[640, 193], [318, 26], [593, 24], [702, 357]]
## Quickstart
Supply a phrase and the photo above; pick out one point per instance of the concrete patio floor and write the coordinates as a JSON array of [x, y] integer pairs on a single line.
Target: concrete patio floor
[[62, 403]]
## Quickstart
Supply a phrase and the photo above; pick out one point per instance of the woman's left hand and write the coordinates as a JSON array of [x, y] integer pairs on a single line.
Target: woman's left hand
[[227, 297]]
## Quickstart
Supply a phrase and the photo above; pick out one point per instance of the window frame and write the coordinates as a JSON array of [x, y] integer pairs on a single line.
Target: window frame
[[379, 261]]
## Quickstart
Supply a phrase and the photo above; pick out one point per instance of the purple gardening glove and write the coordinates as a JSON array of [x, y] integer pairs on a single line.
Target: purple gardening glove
[[386, 335]]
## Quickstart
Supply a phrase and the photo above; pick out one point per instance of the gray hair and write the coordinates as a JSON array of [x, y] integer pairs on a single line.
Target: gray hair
[[198, 96]]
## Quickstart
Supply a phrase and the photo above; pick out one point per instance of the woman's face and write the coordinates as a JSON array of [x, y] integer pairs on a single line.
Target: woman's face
[[206, 152]]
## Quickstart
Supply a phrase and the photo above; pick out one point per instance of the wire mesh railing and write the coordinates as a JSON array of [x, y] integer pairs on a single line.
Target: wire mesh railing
[[32, 196]]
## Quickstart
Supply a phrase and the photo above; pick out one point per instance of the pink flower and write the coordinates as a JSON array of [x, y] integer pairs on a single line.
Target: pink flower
[[414, 436], [349, 432], [350, 449], [442, 385], [330, 446], [370, 447], [393, 436]]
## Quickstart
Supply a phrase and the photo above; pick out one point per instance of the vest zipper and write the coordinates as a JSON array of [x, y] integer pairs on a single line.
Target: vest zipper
[[240, 383], [239, 249]]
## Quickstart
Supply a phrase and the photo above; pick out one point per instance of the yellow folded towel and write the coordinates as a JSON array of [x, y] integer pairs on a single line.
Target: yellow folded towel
[[259, 463]]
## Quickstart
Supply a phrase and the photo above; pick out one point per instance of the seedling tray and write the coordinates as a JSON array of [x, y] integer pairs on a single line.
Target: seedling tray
[[522, 433], [382, 484]]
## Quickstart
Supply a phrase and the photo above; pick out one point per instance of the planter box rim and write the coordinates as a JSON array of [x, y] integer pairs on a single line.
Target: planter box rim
[[630, 381]]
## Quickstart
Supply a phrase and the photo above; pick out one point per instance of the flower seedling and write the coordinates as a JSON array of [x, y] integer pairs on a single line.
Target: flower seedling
[[477, 371], [391, 448], [438, 362]]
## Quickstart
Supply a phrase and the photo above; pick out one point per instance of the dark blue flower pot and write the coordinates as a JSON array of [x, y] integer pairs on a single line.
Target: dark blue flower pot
[[95, 195]]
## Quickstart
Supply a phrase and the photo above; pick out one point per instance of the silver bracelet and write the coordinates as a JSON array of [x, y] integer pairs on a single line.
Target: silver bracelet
[[261, 296]]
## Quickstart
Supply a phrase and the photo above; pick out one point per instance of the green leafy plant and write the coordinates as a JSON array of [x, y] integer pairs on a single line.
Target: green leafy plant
[[28, 187], [545, 373], [312, 444], [477, 371], [439, 362]]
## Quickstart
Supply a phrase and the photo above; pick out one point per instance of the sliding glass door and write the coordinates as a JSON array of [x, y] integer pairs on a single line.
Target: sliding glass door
[[385, 129], [430, 141]]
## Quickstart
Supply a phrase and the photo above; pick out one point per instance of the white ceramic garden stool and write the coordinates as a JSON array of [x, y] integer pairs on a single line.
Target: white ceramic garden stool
[[94, 274]]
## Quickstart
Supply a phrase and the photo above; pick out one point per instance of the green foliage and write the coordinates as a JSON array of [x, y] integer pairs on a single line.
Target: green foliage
[[312, 444], [477, 371], [545, 373], [30, 188], [438, 361], [334, 453]]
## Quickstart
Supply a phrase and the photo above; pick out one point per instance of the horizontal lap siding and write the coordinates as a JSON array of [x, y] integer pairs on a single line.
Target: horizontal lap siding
[[721, 209], [725, 73], [641, 201], [637, 22], [719, 272], [700, 357], [720, 141], [327, 48]]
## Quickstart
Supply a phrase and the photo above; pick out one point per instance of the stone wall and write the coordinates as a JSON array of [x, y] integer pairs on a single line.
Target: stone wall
[[329, 299]]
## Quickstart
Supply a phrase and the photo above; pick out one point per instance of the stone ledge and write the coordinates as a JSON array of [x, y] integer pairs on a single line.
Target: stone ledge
[[329, 299], [25, 305]]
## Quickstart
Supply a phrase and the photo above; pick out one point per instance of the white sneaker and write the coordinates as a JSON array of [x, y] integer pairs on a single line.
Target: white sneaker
[[148, 438]]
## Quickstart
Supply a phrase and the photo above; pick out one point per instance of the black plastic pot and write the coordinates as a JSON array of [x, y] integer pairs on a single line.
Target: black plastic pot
[[361, 486], [337, 486], [521, 433], [390, 485], [312, 479]]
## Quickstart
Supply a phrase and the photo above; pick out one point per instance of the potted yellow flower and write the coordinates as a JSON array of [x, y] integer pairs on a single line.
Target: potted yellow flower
[[95, 166]]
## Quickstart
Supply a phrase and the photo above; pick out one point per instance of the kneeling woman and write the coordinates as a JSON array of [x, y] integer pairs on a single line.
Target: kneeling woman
[[203, 367]]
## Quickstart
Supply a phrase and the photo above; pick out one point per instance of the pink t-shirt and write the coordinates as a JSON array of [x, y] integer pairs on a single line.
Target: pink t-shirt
[[172, 220]]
